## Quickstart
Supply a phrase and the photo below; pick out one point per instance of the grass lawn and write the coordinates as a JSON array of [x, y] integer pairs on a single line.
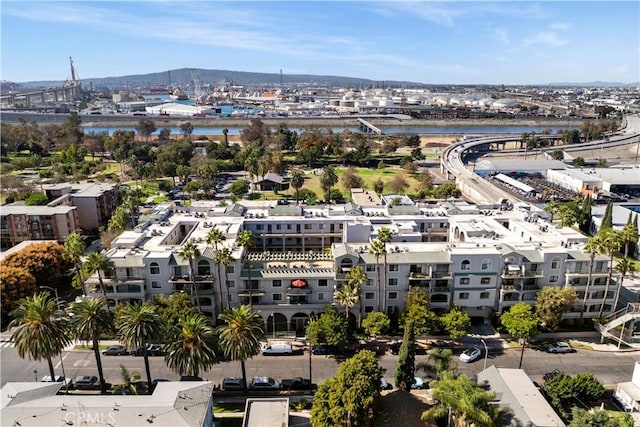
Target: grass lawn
[[235, 407]]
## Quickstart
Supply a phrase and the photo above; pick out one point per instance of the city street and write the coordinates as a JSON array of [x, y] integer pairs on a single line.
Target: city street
[[609, 367]]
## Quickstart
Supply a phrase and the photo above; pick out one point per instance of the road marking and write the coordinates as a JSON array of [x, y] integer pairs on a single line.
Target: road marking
[[79, 363], [6, 344], [61, 360]]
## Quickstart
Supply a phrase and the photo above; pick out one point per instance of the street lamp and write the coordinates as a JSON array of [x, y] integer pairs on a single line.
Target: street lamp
[[486, 353], [64, 375]]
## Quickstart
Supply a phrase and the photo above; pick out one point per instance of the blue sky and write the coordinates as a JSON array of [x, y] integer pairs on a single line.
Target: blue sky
[[506, 42]]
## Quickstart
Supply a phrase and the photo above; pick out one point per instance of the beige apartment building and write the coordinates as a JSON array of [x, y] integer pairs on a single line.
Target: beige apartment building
[[19, 223]]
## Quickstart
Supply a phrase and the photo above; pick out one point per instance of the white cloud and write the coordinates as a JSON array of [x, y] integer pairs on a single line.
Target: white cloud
[[502, 34], [544, 38], [560, 26]]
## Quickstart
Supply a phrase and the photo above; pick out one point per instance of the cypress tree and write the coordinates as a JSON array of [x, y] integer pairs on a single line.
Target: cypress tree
[[607, 218], [406, 358], [585, 214]]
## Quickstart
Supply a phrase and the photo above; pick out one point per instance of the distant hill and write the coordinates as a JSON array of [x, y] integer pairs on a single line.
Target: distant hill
[[184, 76], [595, 84]]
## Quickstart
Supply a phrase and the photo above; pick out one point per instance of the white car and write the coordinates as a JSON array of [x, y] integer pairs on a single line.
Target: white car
[[418, 383], [277, 349], [470, 355], [58, 379], [560, 347]]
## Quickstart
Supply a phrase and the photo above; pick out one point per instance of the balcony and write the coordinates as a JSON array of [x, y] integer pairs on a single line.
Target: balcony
[[255, 292], [417, 275], [440, 289], [298, 291], [440, 274], [187, 279]]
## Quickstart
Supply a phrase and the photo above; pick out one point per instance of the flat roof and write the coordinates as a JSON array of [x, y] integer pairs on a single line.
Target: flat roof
[[35, 210], [266, 412]]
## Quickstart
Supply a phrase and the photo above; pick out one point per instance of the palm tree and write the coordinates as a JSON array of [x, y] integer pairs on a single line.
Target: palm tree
[[356, 278], [347, 296], [99, 263], [624, 266], [193, 349], [377, 249], [215, 236], [552, 208], [328, 179], [612, 239], [297, 181], [138, 326], [592, 247], [190, 252], [240, 335], [463, 400], [91, 318], [246, 240], [385, 236], [128, 382], [39, 331], [73, 250], [224, 259]]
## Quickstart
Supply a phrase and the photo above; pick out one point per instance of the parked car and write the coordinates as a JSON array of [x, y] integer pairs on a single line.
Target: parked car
[[384, 385], [264, 383], [68, 382], [298, 383], [470, 355], [115, 350], [190, 378], [548, 375], [560, 347], [87, 382], [152, 350], [277, 349], [418, 383], [232, 384], [394, 347], [155, 381], [324, 349]]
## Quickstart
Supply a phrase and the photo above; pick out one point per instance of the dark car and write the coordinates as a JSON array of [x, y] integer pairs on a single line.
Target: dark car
[[87, 382], [190, 378], [152, 350], [298, 383], [232, 384], [264, 383], [325, 349], [547, 376], [394, 347], [115, 350]]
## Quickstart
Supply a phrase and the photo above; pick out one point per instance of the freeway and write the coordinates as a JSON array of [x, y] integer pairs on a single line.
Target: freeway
[[610, 367]]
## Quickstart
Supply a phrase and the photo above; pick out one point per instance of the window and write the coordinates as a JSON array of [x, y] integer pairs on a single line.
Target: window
[[371, 267], [368, 309], [555, 264], [485, 280], [393, 295], [322, 296], [277, 283], [393, 281], [277, 297], [393, 267], [463, 295], [369, 282], [322, 282], [231, 269], [307, 226], [464, 281], [465, 265], [288, 226], [259, 227], [231, 283], [155, 285], [177, 271], [484, 295], [204, 268], [278, 227], [486, 264], [369, 295], [553, 279], [154, 268]]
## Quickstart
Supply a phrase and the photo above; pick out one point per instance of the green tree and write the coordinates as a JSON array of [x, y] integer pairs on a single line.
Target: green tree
[[146, 127], [569, 213], [192, 348], [406, 359], [630, 236], [425, 321], [90, 318], [348, 398], [44, 261], [607, 218], [592, 247], [584, 219], [439, 362], [39, 330], [522, 323], [551, 304], [350, 179], [356, 278], [624, 266], [376, 323], [246, 240], [587, 387], [578, 162], [330, 328], [611, 241], [73, 251], [15, 283], [417, 296], [378, 186], [377, 249], [36, 199], [191, 252], [598, 418], [456, 322], [239, 187], [463, 400], [385, 235], [128, 385], [240, 335], [551, 208], [138, 325], [171, 309], [100, 264], [328, 179], [224, 259], [297, 181], [347, 296]]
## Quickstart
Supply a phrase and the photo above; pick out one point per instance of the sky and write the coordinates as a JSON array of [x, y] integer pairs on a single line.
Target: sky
[[431, 42]]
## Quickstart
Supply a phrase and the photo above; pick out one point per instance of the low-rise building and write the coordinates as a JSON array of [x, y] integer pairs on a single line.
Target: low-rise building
[[19, 223], [95, 202]]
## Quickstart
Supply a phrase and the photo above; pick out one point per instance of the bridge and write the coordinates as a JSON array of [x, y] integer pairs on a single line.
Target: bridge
[[367, 127], [620, 325]]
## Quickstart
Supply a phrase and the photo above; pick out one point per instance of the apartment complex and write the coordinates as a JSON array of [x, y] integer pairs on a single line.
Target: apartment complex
[[19, 223], [95, 202], [481, 260]]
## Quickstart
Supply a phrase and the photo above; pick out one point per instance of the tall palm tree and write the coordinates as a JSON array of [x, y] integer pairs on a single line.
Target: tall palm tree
[[385, 236], [138, 325], [347, 296], [190, 252], [224, 259], [214, 237], [246, 240], [297, 181], [624, 266], [592, 247], [328, 179], [128, 382], [39, 331], [73, 250], [99, 263], [377, 249], [356, 278], [612, 239], [91, 318], [193, 348], [240, 335]]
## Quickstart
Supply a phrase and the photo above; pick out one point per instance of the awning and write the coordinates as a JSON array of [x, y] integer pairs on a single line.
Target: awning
[[299, 283]]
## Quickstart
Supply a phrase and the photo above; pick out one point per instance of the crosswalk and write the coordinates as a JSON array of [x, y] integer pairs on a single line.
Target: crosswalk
[[6, 344]]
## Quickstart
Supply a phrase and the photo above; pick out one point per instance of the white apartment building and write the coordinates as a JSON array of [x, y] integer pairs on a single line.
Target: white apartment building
[[482, 260]]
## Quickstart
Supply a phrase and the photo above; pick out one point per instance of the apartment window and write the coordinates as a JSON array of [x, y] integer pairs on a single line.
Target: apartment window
[[231, 283], [486, 264], [485, 280], [465, 265], [277, 283], [277, 297], [393, 295], [231, 269], [204, 268], [393, 281], [464, 281], [322, 296], [484, 295], [369, 295], [368, 309], [307, 226], [278, 227], [177, 271], [259, 227], [322, 282], [463, 295], [369, 282], [553, 279], [555, 264], [288, 226], [155, 285], [393, 267], [154, 268], [371, 267]]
